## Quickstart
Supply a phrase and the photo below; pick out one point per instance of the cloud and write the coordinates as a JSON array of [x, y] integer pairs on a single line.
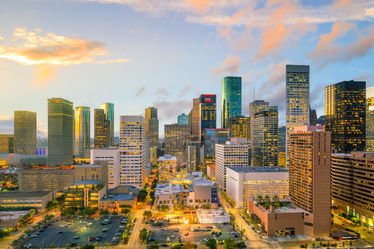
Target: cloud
[[141, 90], [6, 125], [162, 92], [1, 38], [169, 110], [112, 61], [201, 6], [332, 52], [48, 51], [230, 65]]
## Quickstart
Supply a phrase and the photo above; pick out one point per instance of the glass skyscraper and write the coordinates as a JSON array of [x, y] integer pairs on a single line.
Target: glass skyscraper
[[60, 132], [239, 126], [109, 115], [102, 130], [345, 109], [151, 126], [183, 119], [231, 99], [370, 119], [82, 132], [25, 132], [208, 116], [297, 98], [213, 137]]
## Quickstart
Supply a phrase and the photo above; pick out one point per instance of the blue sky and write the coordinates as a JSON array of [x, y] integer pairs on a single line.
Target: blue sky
[[164, 53]]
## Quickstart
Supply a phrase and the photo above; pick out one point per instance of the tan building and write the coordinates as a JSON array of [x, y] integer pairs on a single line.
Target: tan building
[[86, 193], [286, 221], [176, 140], [203, 192], [118, 197], [352, 184], [92, 172], [309, 171], [167, 167], [6, 143], [25, 132], [29, 199], [46, 179]]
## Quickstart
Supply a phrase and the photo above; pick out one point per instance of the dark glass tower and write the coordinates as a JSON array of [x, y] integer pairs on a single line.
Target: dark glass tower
[[231, 99], [207, 112], [345, 108], [60, 132]]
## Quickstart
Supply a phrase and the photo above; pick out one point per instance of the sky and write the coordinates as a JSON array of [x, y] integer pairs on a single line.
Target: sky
[[162, 53]]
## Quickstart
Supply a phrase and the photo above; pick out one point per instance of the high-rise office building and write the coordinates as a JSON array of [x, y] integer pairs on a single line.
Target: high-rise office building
[[297, 98], [25, 132], [82, 131], [6, 143], [60, 131], [265, 137], [282, 139], [239, 126], [312, 116], [213, 137], [176, 140], [370, 119], [352, 185], [102, 130], [151, 126], [230, 154], [255, 107], [309, 172], [231, 99], [109, 116], [345, 109], [203, 115], [133, 151], [183, 119], [112, 157]]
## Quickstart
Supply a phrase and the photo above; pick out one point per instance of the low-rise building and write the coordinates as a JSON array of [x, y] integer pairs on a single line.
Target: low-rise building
[[118, 197], [204, 193], [85, 193], [248, 183], [25, 199], [168, 194], [92, 172], [210, 216], [10, 219], [8, 175], [167, 166], [112, 156]]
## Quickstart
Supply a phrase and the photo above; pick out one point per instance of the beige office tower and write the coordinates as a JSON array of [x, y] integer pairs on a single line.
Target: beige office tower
[[25, 132], [132, 151], [309, 171], [151, 126]]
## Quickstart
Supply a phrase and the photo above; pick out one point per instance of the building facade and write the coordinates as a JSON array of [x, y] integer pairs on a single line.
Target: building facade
[[229, 155], [151, 126], [25, 132], [345, 109], [60, 132], [133, 151], [176, 140], [109, 116], [240, 127], [297, 99], [102, 130], [84, 194], [231, 103], [183, 119], [112, 157], [6, 143], [369, 119], [82, 131], [309, 171], [352, 184], [213, 137], [265, 137], [248, 183]]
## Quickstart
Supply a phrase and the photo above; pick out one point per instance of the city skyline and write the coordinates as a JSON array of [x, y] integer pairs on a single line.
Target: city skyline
[[215, 37]]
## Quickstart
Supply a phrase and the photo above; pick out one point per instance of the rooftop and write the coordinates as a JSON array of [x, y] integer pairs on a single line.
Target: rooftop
[[166, 189], [20, 194], [12, 215], [201, 181], [211, 213], [87, 182], [167, 157], [259, 169], [90, 166], [119, 197]]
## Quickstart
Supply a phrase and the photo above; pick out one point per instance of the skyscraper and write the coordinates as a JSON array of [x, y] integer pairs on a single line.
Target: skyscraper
[[133, 151], [239, 126], [297, 98], [345, 109], [102, 130], [212, 137], [6, 143], [25, 132], [82, 131], [109, 116], [309, 172], [151, 126], [255, 107], [265, 137], [183, 119], [203, 115], [176, 140], [370, 119], [231, 99], [312, 116], [60, 132]]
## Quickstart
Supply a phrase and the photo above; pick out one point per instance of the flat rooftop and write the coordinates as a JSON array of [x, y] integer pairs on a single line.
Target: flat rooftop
[[20, 194], [212, 213], [201, 181], [87, 182], [166, 188], [119, 197], [258, 169], [90, 166]]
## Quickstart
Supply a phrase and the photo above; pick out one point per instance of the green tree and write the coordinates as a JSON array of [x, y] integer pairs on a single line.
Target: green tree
[[104, 212], [176, 246], [143, 235], [67, 245], [52, 245], [189, 245], [142, 195], [125, 211], [211, 243], [87, 247], [259, 198], [229, 244], [153, 246], [147, 214], [240, 244]]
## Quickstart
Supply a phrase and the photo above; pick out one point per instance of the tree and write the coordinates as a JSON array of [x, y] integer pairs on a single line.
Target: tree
[[104, 212], [67, 245], [211, 243], [189, 245], [87, 247], [241, 244], [229, 244], [259, 198], [147, 214], [125, 211], [142, 195], [176, 246], [143, 235]]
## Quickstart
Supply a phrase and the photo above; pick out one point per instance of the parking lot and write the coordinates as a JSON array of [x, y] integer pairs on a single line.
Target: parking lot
[[191, 233], [79, 232]]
